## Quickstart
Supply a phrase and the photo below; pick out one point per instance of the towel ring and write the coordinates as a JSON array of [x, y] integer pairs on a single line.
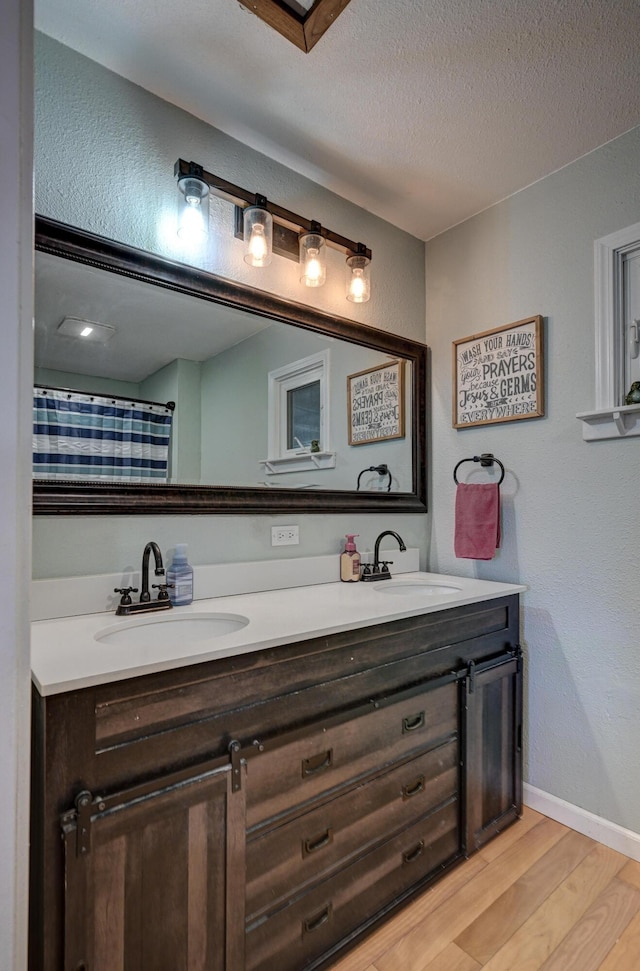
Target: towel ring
[[380, 469], [486, 459]]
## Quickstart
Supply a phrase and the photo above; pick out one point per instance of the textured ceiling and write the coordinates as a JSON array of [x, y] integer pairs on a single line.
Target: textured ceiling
[[424, 112], [136, 311]]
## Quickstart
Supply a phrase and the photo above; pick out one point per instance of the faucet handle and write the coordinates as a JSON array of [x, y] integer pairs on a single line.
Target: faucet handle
[[163, 593], [381, 566], [125, 599]]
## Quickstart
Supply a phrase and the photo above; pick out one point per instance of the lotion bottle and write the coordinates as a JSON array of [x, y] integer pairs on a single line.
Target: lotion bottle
[[350, 560], [180, 578]]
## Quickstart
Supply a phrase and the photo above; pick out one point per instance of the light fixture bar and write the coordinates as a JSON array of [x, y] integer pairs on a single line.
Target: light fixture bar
[[287, 225]]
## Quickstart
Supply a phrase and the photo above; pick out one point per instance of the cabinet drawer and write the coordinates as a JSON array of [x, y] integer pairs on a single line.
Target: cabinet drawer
[[310, 925], [312, 846], [297, 768]]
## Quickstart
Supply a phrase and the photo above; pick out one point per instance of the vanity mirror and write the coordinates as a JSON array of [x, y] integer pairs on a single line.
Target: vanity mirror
[[265, 389]]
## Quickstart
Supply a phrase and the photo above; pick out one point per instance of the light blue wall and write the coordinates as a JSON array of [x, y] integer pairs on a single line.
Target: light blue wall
[[571, 518], [235, 401], [105, 151], [179, 381], [82, 382]]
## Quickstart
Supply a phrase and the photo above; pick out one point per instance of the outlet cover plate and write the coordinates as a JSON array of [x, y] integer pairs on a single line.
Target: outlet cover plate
[[284, 535]]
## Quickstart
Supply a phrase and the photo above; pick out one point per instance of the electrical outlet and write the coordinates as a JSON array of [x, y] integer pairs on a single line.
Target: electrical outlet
[[284, 536]]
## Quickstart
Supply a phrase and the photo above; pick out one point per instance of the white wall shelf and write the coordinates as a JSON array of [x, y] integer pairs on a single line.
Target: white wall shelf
[[305, 462], [621, 422]]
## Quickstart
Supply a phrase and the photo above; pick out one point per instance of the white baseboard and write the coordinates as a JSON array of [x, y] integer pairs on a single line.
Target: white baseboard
[[617, 837]]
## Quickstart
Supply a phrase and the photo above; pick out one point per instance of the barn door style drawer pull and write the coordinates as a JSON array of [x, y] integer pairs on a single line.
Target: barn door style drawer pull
[[314, 843], [317, 763], [313, 923], [414, 853], [413, 722], [413, 788]]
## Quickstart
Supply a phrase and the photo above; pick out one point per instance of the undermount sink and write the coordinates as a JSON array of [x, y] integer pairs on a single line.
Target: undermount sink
[[164, 630], [412, 587]]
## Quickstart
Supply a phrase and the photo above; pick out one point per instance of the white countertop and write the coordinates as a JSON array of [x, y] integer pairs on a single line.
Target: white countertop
[[66, 653]]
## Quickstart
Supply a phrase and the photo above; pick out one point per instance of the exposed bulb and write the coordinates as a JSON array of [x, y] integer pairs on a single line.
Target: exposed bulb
[[192, 227], [193, 213], [357, 287], [312, 257], [358, 282], [258, 234], [313, 268], [258, 248]]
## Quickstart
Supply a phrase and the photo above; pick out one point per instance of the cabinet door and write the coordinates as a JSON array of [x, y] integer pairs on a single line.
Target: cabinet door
[[493, 747], [146, 876]]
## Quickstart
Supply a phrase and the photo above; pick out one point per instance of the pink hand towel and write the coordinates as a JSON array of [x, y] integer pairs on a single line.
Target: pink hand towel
[[477, 526]]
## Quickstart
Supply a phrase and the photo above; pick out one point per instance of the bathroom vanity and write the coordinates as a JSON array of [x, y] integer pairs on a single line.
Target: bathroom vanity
[[263, 805]]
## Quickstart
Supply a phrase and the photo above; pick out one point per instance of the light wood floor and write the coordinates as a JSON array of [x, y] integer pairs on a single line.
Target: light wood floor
[[540, 897]]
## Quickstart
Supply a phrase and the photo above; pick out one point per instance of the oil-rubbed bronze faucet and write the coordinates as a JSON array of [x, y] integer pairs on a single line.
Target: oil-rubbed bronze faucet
[[126, 606], [380, 569], [151, 547]]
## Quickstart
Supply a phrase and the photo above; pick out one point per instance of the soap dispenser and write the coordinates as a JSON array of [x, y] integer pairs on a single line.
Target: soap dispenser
[[180, 578], [350, 560]]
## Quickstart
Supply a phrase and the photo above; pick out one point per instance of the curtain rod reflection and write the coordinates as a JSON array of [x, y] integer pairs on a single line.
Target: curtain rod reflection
[[113, 397]]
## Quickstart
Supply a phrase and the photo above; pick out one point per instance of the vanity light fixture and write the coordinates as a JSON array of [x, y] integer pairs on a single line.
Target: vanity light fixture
[[313, 260], [193, 210], [267, 228]]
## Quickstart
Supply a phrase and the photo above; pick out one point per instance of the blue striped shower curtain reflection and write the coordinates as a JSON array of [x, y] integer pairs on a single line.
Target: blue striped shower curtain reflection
[[87, 436]]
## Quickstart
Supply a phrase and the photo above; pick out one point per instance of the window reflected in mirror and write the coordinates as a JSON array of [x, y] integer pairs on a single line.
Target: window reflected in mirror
[[303, 417]]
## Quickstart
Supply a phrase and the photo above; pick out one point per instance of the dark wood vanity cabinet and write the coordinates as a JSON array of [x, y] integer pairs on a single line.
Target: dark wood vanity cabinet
[[265, 810]]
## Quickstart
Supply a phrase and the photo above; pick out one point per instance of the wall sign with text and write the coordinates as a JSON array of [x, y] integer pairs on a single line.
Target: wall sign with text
[[498, 375], [376, 403]]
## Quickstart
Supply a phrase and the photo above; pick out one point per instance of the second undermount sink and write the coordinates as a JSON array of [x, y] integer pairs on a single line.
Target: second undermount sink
[[166, 629], [400, 587]]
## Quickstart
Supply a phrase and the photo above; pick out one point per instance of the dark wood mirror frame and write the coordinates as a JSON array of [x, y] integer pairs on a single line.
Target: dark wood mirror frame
[[52, 497]]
